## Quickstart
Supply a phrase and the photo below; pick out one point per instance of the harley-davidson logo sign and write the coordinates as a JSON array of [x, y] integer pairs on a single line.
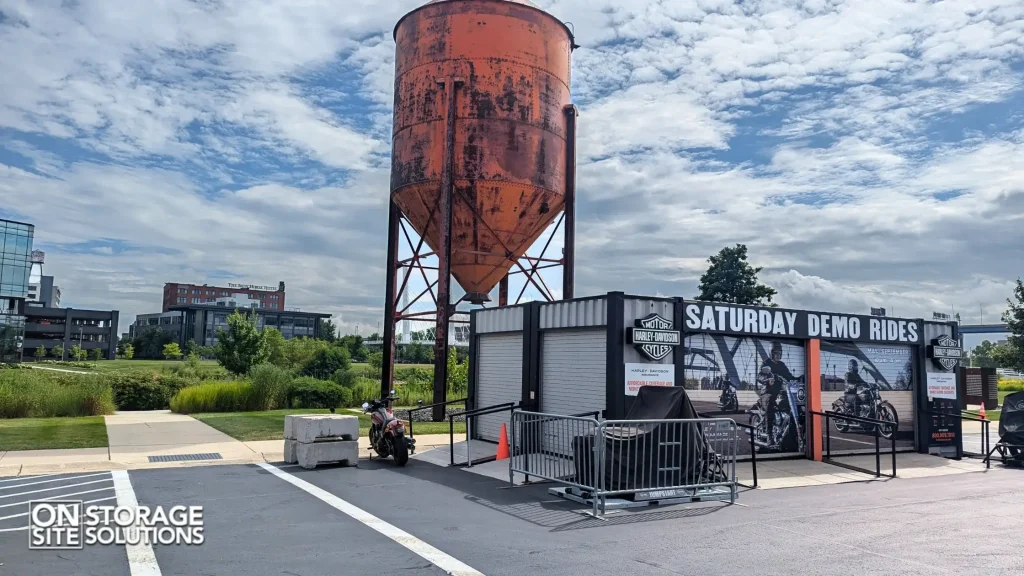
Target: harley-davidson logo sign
[[653, 337], [945, 352]]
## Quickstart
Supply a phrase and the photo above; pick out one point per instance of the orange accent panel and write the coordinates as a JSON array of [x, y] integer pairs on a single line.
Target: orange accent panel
[[814, 399]]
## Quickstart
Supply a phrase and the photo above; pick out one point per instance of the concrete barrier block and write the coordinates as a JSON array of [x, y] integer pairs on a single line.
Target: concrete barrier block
[[290, 451], [289, 424], [339, 426], [309, 428], [312, 454]]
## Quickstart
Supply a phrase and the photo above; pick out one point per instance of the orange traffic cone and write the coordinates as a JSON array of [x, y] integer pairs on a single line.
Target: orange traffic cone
[[981, 413], [502, 444]]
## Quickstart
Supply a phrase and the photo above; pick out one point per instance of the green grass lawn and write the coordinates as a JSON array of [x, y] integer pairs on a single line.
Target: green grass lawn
[[51, 433], [269, 425], [400, 366], [153, 365]]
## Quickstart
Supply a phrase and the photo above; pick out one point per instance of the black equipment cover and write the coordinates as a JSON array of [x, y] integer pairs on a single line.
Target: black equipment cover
[[659, 455], [1011, 420]]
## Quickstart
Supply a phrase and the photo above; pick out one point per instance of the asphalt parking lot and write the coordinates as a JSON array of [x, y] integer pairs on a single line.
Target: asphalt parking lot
[[425, 519]]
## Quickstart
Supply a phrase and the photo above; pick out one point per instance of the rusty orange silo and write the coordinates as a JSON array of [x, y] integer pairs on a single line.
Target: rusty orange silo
[[482, 132]]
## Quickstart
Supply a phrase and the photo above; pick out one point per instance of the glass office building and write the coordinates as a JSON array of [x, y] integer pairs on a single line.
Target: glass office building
[[15, 264]]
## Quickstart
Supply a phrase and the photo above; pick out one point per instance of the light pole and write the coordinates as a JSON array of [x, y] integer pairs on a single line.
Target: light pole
[[79, 340]]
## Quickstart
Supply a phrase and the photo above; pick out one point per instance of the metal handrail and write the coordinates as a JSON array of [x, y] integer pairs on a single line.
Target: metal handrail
[[753, 454], [828, 414], [427, 407], [986, 441], [510, 406]]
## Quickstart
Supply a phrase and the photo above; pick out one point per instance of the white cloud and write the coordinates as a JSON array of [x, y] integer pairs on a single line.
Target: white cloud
[[251, 138]]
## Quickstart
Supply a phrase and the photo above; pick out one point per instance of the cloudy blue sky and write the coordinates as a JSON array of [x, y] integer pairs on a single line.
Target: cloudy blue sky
[[868, 152]]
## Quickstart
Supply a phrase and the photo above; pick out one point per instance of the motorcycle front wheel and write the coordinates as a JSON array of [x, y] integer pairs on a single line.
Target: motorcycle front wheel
[[887, 413], [401, 453]]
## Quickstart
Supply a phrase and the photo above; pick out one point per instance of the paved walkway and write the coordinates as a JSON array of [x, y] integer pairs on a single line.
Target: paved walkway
[[57, 369], [135, 436]]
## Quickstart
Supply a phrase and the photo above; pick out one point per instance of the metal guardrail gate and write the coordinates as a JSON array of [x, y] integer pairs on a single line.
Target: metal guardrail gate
[[626, 463]]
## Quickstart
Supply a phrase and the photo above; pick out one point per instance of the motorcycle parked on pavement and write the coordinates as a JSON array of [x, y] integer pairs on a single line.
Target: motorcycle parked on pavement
[[387, 433]]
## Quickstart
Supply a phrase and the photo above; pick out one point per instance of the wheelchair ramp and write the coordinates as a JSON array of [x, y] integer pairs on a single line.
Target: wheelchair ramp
[[775, 474], [442, 455]]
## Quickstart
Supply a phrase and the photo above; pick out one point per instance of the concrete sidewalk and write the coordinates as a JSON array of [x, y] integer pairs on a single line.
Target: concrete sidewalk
[[273, 450], [133, 437]]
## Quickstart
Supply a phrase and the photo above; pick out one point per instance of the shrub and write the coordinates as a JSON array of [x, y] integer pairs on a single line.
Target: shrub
[[1011, 385], [212, 397], [269, 386], [57, 351], [364, 390], [376, 360], [193, 369], [327, 361], [139, 390], [344, 378], [309, 392], [141, 395], [96, 354]]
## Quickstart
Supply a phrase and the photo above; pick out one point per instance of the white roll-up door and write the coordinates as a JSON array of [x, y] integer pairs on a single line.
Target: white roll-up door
[[499, 380], [572, 377], [572, 382]]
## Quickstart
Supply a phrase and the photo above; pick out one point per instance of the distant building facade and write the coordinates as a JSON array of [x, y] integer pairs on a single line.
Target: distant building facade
[[41, 289], [167, 321], [90, 329], [202, 322], [44, 293], [15, 264], [176, 295]]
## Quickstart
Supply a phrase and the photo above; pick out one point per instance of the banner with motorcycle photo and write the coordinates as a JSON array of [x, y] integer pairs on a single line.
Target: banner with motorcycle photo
[[871, 381], [754, 381]]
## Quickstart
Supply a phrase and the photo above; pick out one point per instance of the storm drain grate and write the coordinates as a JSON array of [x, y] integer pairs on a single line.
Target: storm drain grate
[[185, 457]]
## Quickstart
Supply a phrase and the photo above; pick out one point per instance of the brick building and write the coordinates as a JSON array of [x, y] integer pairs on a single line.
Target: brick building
[[176, 294]]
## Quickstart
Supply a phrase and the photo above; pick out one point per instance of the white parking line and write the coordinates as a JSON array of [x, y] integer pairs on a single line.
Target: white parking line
[[436, 557], [52, 489], [141, 560], [57, 497], [12, 486], [26, 513], [15, 479]]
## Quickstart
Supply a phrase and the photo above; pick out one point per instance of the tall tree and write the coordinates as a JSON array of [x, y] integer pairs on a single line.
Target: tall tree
[[172, 351], [328, 330], [242, 345], [124, 341], [982, 355], [731, 279], [149, 343], [276, 346], [354, 343], [1014, 318]]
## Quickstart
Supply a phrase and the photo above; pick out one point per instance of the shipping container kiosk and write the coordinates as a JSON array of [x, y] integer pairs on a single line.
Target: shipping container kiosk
[[592, 354]]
